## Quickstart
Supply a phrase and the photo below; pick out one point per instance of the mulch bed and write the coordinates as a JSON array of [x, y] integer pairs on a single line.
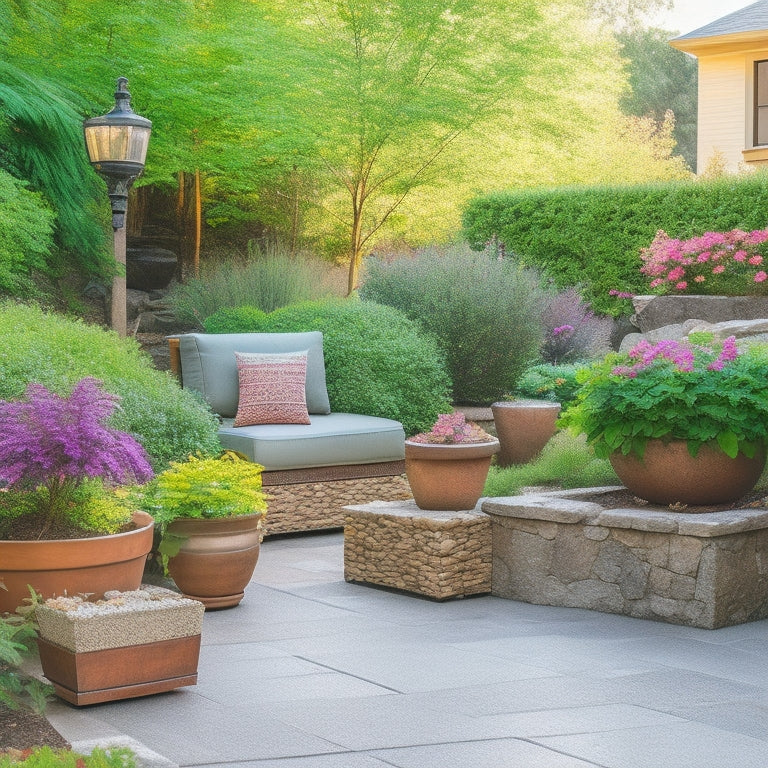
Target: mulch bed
[[22, 729], [624, 499]]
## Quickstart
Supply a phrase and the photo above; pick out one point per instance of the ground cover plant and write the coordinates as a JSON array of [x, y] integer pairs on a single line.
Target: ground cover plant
[[545, 381], [37, 346], [565, 462], [377, 361], [484, 312], [267, 278]]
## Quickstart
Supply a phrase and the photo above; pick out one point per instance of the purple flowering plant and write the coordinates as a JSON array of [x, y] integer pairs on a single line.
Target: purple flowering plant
[[731, 263], [698, 390], [61, 463], [453, 429]]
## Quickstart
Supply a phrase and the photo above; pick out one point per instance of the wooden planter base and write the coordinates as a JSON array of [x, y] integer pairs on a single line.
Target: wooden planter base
[[120, 673]]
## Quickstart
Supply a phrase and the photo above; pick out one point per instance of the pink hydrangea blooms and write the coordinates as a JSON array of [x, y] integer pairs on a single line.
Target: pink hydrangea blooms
[[715, 262], [453, 428], [683, 355]]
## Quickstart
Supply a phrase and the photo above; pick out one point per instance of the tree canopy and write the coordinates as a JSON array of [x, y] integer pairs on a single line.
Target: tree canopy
[[343, 122]]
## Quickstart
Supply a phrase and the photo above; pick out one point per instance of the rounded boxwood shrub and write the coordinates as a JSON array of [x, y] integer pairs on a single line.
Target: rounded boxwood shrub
[[56, 351], [486, 314], [377, 362]]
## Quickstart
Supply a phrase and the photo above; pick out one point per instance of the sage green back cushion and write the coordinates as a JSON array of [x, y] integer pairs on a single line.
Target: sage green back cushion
[[208, 365]]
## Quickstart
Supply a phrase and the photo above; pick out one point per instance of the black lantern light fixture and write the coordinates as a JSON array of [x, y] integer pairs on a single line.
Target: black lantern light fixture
[[117, 148]]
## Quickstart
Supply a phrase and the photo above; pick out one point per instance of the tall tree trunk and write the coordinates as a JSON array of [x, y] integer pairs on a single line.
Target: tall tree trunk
[[355, 255], [198, 225]]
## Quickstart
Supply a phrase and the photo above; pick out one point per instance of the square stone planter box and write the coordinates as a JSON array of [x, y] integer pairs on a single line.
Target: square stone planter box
[[129, 644], [707, 569], [436, 554]]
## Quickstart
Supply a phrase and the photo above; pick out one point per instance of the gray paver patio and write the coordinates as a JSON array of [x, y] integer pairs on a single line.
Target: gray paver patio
[[312, 672]]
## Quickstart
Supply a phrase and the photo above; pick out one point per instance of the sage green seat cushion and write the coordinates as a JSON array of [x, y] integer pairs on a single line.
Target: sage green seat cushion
[[208, 365], [334, 439]]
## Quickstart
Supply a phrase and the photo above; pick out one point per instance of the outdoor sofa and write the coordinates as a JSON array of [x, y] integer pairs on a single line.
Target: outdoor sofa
[[311, 471]]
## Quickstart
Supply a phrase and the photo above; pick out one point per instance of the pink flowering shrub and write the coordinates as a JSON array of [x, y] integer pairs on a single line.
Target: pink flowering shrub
[[696, 390], [727, 263], [451, 429], [58, 456]]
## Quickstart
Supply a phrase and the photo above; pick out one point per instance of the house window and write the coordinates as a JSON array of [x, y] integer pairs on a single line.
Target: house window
[[761, 103]]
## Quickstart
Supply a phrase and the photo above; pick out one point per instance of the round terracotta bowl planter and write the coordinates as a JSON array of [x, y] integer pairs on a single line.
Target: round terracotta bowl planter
[[217, 558], [524, 427], [448, 477], [668, 474], [75, 566]]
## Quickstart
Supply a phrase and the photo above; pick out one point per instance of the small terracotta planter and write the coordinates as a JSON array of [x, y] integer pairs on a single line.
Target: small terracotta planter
[[74, 566], [217, 558], [668, 474], [524, 427], [136, 643], [448, 477]]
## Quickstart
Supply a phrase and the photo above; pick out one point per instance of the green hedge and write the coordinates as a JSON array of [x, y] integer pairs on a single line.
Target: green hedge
[[592, 236], [377, 361], [55, 351]]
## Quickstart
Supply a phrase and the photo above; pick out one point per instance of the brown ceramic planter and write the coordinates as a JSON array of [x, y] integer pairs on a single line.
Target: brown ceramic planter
[[448, 477], [668, 474], [74, 566], [524, 427], [217, 559]]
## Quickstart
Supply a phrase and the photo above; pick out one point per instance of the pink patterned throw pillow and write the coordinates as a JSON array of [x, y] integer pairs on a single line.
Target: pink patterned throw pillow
[[272, 388]]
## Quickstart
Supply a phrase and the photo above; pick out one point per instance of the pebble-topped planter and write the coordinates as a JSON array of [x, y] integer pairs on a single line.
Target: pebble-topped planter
[[128, 644]]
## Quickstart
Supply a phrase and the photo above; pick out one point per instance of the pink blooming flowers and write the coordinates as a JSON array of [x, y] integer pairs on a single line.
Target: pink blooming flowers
[[453, 428], [714, 263], [682, 355]]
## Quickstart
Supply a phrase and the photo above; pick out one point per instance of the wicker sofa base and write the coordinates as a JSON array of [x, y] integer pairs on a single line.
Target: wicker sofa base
[[319, 505]]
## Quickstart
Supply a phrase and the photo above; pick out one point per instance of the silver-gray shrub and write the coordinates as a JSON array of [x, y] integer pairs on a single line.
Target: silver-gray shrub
[[485, 313], [267, 277]]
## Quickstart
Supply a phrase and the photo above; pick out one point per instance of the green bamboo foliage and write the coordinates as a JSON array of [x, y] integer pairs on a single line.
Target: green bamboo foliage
[[41, 130]]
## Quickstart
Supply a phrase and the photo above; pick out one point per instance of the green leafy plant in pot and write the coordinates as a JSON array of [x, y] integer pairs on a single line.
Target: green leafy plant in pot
[[209, 512], [681, 421]]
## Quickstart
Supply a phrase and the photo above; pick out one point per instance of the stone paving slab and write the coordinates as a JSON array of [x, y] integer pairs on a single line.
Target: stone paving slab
[[313, 672]]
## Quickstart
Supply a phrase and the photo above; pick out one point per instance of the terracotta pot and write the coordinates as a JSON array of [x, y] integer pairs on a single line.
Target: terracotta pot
[[75, 566], [524, 427], [217, 559], [668, 474], [448, 477]]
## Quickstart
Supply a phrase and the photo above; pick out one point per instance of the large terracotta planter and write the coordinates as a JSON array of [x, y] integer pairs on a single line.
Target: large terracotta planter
[[74, 566], [448, 477], [668, 474], [524, 427], [217, 558]]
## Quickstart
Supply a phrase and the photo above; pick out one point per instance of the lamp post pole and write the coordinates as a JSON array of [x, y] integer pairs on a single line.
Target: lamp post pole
[[117, 148]]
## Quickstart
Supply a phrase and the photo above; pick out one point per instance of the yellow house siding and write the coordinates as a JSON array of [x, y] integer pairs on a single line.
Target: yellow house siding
[[723, 104]]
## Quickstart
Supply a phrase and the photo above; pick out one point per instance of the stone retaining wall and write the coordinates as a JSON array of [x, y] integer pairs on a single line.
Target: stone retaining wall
[[705, 570], [436, 554], [316, 506]]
